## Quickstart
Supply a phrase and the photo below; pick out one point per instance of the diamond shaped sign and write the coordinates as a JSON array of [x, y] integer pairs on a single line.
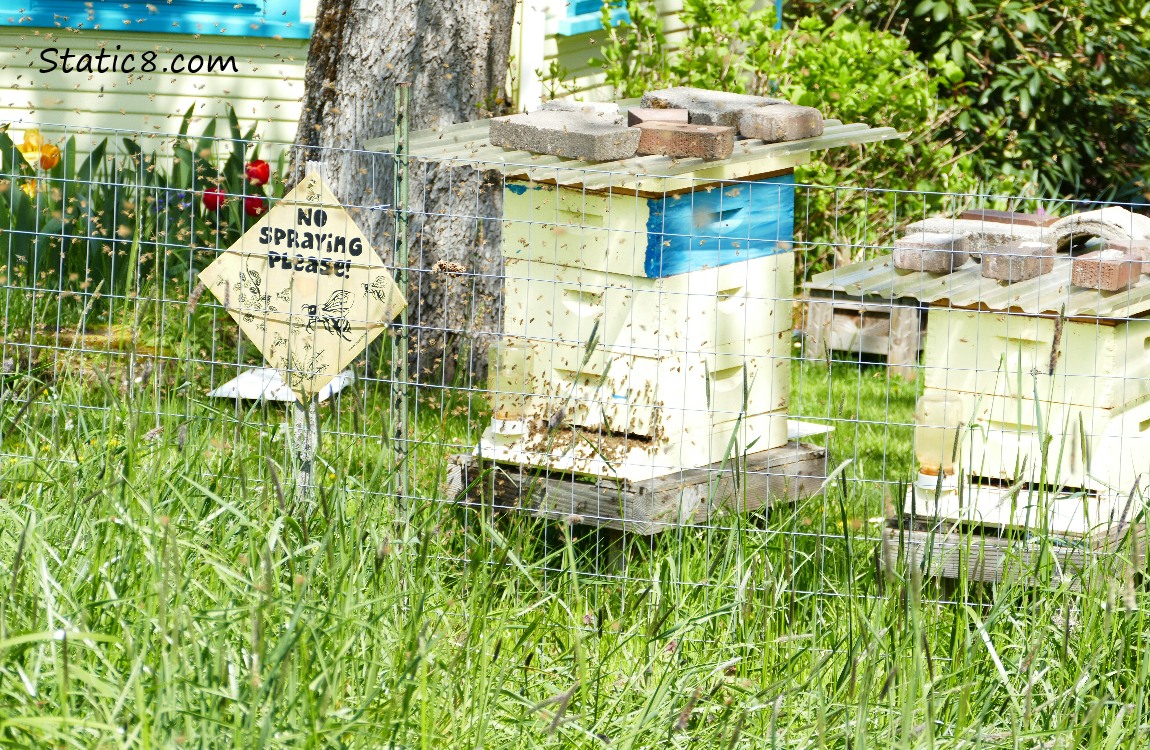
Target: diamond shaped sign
[[306, 287]]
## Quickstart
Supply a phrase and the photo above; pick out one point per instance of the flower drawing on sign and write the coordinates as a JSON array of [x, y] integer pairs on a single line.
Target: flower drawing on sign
[[299, 375], [333, 318], [278, 341], [251, 291]]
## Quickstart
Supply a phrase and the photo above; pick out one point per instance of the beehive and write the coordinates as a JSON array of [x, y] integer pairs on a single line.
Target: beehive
[[647, 305], [656, 330], [1052, 412]]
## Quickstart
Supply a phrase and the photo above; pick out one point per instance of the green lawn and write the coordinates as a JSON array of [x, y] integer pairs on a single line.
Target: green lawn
[[160, 586]]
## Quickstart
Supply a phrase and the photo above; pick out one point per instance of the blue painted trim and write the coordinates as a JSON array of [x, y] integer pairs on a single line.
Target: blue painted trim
[[587, 22], [728, 224], [250, 18]]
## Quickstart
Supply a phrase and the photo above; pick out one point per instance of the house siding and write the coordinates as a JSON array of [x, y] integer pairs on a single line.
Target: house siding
[[536, 43], [267, 87]]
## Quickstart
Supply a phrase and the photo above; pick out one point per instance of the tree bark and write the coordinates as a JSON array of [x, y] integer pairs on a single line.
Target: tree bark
[[455, 56]]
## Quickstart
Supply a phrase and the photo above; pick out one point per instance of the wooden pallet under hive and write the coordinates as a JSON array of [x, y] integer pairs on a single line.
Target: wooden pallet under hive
[[894, 329], [687, 497], [994, 555]]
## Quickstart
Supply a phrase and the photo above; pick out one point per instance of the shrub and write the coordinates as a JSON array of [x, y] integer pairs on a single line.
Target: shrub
[[1054, 90]]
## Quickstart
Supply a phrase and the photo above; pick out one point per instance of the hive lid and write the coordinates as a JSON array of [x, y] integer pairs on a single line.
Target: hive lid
[[642, 175], [1049, 294]]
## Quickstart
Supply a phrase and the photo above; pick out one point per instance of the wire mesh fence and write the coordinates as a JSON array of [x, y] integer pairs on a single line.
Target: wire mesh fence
[[810, 394], [641, 360]]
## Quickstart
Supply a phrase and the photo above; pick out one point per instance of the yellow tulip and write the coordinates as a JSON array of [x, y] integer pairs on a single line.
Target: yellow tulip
[[28, 188], [36, 152], [49, 156], [32, 140]]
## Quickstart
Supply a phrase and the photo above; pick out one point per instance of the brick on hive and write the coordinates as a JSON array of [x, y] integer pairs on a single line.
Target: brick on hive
[[932, 253], [1106, 270]]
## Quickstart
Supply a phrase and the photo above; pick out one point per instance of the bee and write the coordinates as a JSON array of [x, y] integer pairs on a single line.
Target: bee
[[378, 288], [333, 318]]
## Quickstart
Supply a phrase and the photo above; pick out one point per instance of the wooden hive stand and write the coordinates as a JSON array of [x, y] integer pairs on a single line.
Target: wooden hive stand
[[697, 496], [985, 554], [894, 329]]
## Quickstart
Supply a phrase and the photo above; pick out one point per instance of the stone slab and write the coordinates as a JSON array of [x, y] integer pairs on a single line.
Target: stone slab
[[933, 253], [776, 123], [651, 114], [575, 135], [1105, 270], [684, 140], [1018, 261], [1008, 217], [706, 107], [606, 111]]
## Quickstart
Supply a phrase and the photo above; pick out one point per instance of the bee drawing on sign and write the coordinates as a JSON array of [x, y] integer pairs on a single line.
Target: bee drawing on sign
[[332, 316], [378, 288]]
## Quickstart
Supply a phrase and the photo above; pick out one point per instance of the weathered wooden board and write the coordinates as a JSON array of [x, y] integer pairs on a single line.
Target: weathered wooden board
[[693, 496], [983, 554], [894, 330]]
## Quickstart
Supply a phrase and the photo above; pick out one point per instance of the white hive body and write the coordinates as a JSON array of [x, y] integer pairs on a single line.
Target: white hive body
[[1052, 417], [638, 341]]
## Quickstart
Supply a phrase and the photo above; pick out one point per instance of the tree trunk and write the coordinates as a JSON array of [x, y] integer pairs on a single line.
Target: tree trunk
[[455, 57]]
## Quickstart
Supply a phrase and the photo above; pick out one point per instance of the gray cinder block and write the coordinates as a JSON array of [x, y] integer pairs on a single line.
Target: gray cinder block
[[608, 112], [576, 135], [706, 107], [933, 253], [781, 122], [649, 114]]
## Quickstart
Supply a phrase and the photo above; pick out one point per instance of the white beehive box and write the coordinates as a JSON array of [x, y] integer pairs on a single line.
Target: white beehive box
[[1055, 417], [681, 269], [702, 310], [659, 327]]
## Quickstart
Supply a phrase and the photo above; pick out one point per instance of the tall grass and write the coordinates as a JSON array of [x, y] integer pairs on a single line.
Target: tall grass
[[161, 586]]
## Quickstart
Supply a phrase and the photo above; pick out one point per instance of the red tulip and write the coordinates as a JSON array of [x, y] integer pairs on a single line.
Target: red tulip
[[214, 198], [255, 205], [258, 172]]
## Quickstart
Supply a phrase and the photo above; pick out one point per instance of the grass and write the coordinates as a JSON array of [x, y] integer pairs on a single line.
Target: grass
[[161, 586]]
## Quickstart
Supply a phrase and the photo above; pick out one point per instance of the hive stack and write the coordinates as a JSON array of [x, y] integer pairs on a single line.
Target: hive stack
[[643, 335], [1036, 408]]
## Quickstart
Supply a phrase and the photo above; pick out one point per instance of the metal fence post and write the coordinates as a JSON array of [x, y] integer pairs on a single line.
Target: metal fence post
[[400, 372]]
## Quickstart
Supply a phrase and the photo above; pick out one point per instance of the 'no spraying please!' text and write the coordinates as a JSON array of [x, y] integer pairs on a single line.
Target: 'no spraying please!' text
[[304, 238]]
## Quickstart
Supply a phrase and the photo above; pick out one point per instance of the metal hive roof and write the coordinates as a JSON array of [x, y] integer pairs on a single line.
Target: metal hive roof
[[655, 175], [1049, 294]]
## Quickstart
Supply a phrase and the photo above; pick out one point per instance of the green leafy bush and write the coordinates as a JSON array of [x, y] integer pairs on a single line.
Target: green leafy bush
[[1054, 90]]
